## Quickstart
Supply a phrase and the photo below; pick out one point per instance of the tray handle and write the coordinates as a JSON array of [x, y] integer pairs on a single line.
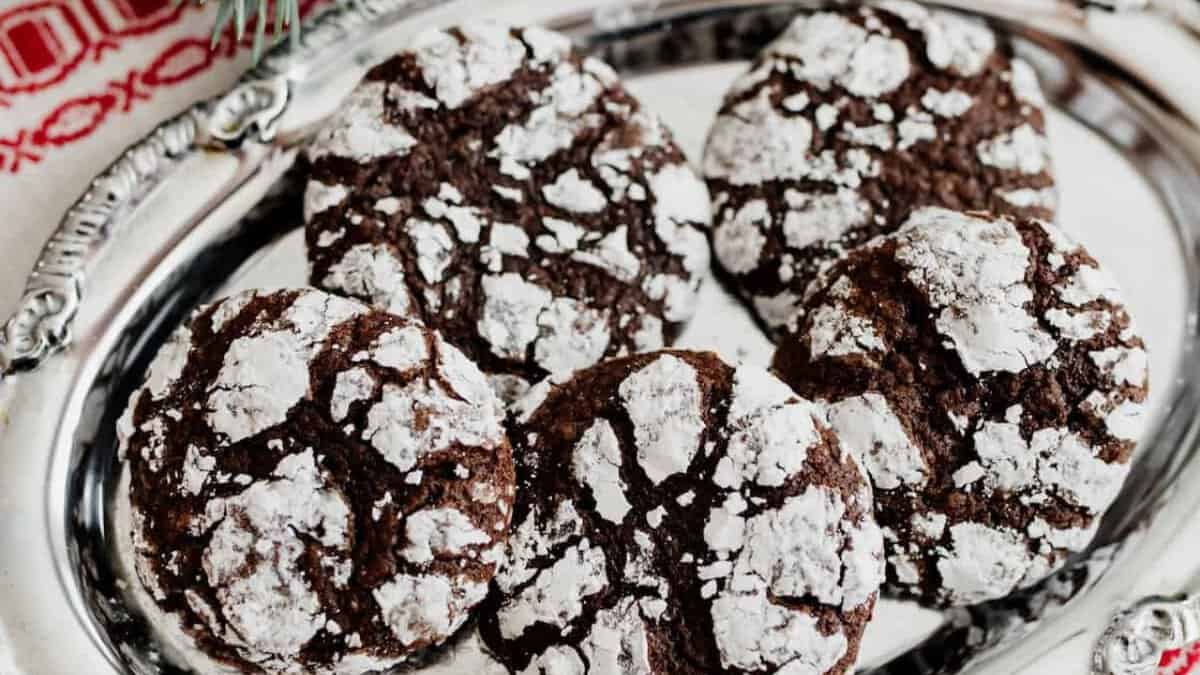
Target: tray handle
[[41, 324], [1137, 637]]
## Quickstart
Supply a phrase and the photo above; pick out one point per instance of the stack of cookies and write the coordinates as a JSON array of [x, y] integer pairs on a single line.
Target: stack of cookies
[[470, 442]]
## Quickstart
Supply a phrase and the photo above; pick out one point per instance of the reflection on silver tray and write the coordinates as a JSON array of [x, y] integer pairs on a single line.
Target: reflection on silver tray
[[214, 187]]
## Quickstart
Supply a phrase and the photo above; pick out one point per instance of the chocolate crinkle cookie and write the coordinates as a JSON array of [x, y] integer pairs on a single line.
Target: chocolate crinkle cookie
[[852, 119], [987, 374], [675, 515], [314, 486], [512, 195]]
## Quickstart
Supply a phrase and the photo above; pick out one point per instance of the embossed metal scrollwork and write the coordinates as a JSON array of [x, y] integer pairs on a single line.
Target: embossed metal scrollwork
[[42, 322], [1135, 641], [40, 325], [251, 111]]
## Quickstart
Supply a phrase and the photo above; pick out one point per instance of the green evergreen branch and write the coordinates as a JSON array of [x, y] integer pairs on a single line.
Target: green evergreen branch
[[239, 14]]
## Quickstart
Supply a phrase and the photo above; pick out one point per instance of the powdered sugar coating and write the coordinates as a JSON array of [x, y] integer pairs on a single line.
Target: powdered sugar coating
[[360, 131], [573, 193], [556, 597], [371, 272], [1023, 149], [597, 464], [262, 378], [837, 333], [168, 363], [572, 336], [954, 42], [739, 243], [972, 270], [757, 554], [423, 418], [272, 610], [618, 642], [425, 608], [756, 143], [1007, 390], [663, 402], [770, 432], [249, 499], [458, 69], [844, 126], [351, 386], [752, 632], [869, 429], [816, 218], [950, 103], [982, 563], [510, 311], [319, 196], [1025, 84], [536, 207]]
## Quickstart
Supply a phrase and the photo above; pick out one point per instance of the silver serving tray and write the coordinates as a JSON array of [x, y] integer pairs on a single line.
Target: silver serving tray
[[209, 202]]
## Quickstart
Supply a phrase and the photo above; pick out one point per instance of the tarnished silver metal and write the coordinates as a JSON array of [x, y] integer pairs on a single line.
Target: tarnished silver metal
[[96, 309], [619, 15], [251, 111], [1135, 641]]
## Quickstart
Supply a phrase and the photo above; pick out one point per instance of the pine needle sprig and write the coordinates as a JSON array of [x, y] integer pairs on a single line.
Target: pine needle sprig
[[240, 13]]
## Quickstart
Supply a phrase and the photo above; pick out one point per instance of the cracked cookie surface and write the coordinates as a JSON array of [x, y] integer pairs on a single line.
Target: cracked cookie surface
[[988, 375], [850, 120], [514, 196], [314, 486], [677, 515]]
